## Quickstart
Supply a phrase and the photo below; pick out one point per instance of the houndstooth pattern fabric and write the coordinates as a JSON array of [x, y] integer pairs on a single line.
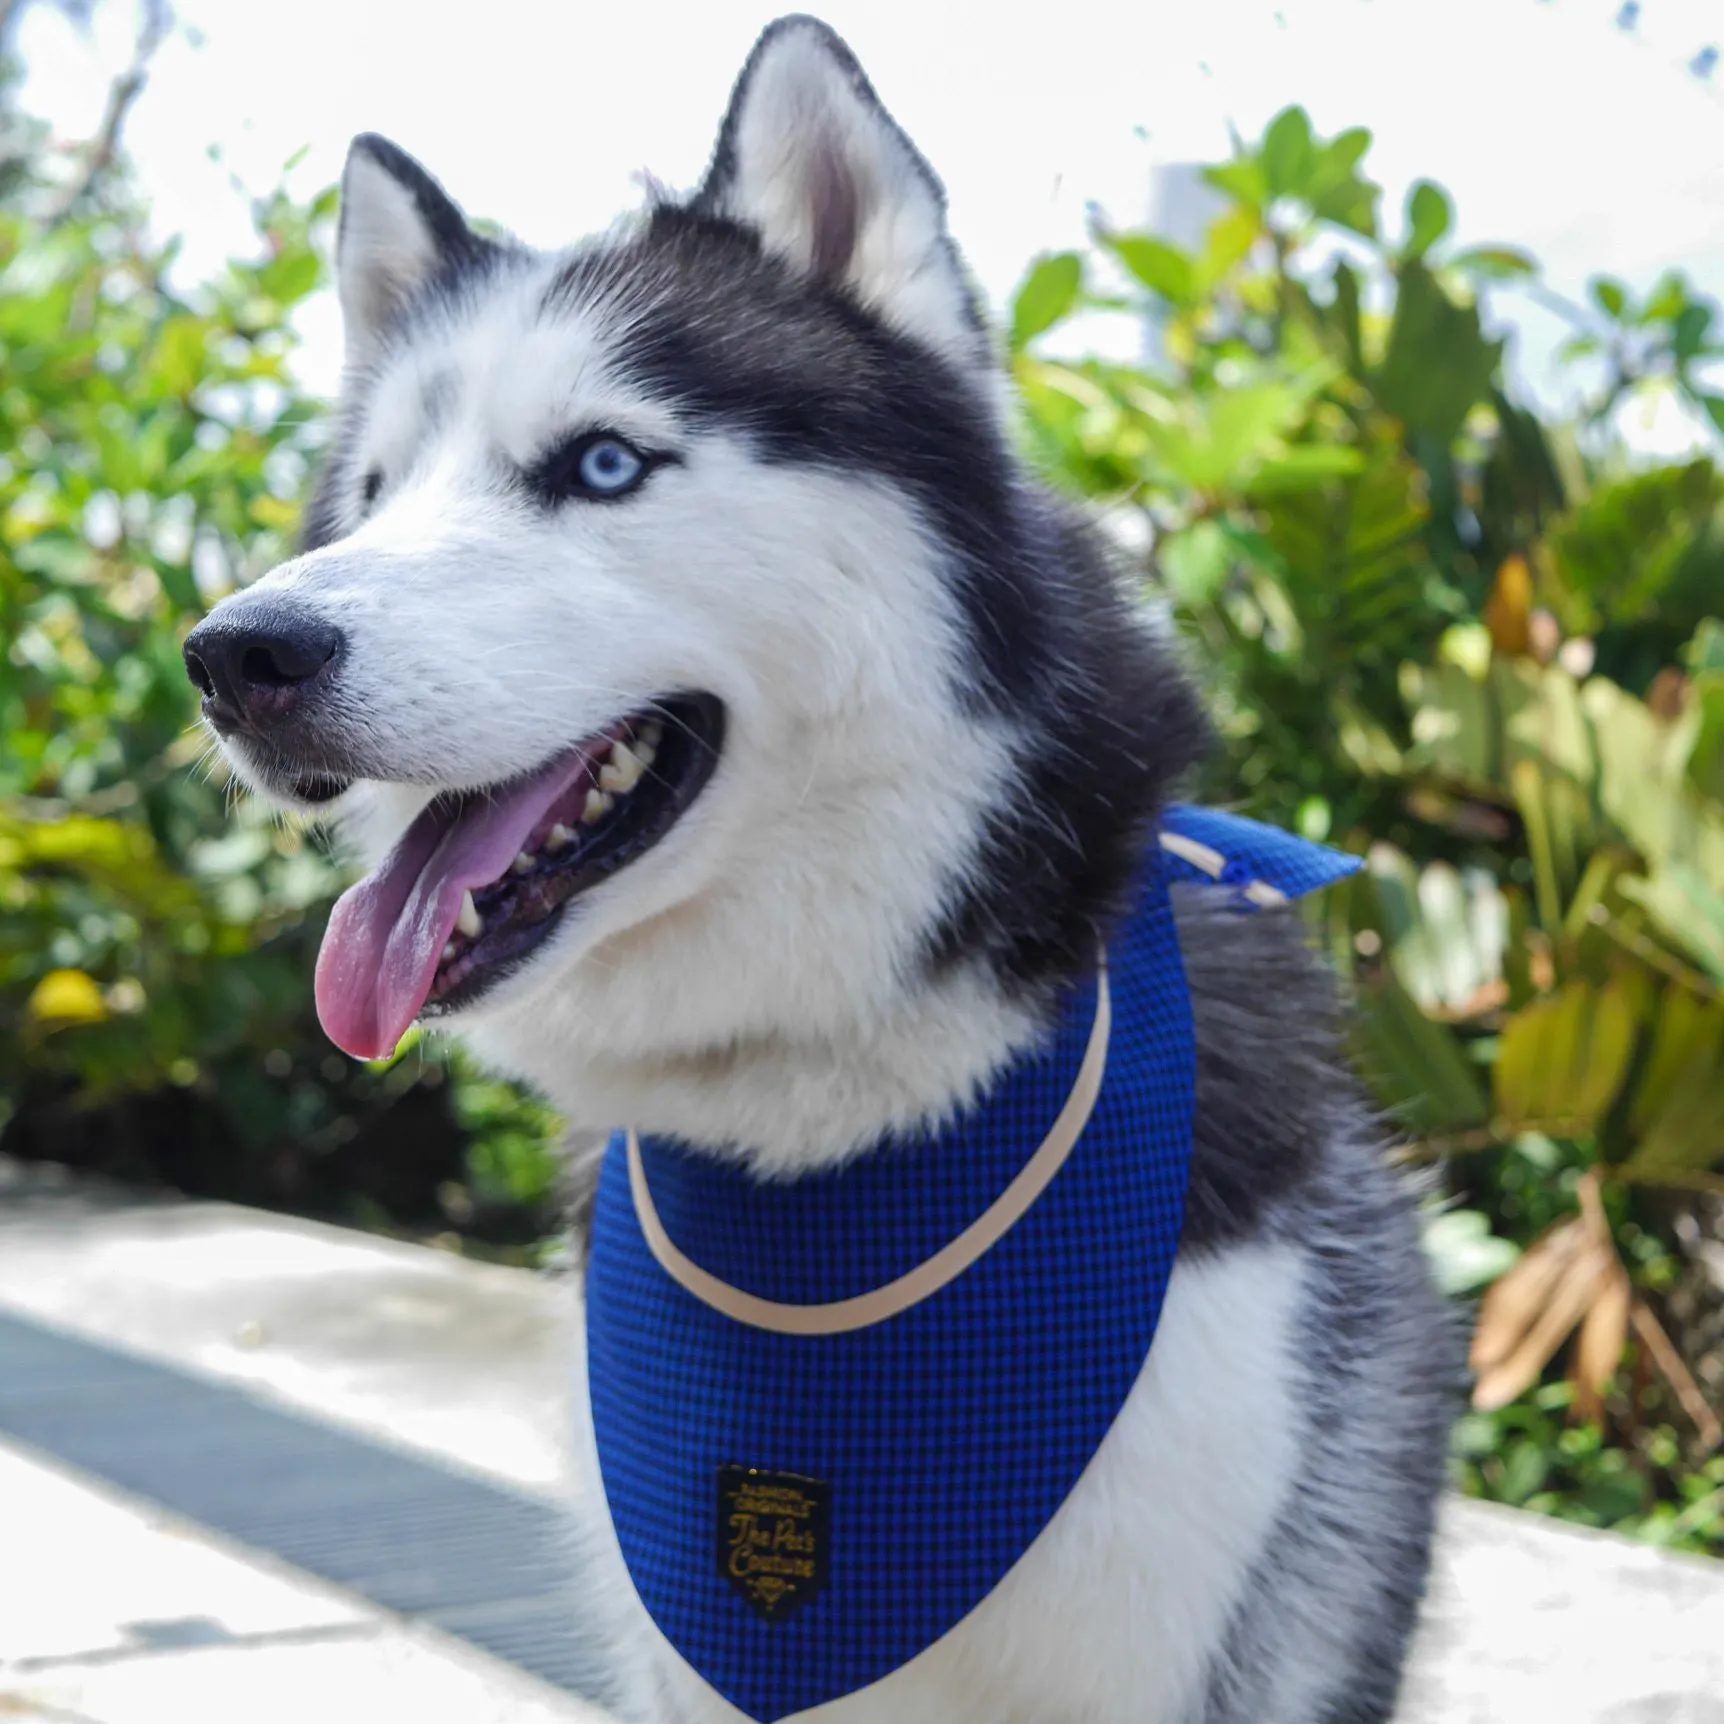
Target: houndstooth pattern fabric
[[937, 1444]]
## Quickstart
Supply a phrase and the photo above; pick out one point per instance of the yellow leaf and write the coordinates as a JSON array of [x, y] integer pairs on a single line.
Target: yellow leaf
[[1522, 1063], [1529, 786], [65, 997], [83, 842], [270, 511], [1686, 1132], [1230, 239], [1603, 1054], [1562, 1059], [1688, 1037], [1508, 611]]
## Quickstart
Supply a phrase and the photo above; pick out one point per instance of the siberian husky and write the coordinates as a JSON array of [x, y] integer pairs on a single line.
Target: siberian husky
[[747, 749]]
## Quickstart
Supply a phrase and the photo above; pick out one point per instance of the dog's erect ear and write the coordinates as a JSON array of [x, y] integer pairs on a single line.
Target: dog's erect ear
[[809, 158], [398, 229]]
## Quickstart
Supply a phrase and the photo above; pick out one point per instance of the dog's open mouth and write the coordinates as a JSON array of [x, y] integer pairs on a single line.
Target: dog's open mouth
[[480, 879]]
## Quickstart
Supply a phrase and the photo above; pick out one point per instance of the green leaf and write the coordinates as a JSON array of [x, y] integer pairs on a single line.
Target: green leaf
[[1347, 149], [1705, 652], [1347, 315], [289, 278], [1704, 657], [179, 357], [1689, 334], [1438, 365], [1351, 205], [1356, 574], [1304, 465], [1414, 1066], [1219, 441], [1494, 262], [1688, 910], [1244, 181], [1228, 243], [1706, 754], [1667, 299], [1164, 269], [1196, 562], [1579, 347], [1429, 217], [1646, 547], [1609, 295], [1254, 548], [1047, 294], [1288, 153]]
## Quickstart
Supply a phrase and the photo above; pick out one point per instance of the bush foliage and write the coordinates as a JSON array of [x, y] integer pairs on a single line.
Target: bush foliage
[[1485, 652], [156, 942]]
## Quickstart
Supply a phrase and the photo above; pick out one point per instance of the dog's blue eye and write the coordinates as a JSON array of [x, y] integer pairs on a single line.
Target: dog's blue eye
[[609, 466], [594, 467]]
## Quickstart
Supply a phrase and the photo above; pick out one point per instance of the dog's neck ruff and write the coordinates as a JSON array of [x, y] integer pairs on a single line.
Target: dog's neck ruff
[[832, 1412]]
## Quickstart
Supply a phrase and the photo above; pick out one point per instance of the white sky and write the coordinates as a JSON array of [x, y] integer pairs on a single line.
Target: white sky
[[1549, 126]]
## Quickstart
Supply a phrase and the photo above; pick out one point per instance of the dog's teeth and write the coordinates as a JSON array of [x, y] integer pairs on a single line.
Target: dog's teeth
[[451, 952], [468, 921], [645, 753], [523, 863], [622, 772], [652, 732], [559, 837], [598, 805]]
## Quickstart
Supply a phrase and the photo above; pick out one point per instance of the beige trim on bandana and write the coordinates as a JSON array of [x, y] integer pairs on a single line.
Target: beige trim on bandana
[[1212, 862], [927, 1278]]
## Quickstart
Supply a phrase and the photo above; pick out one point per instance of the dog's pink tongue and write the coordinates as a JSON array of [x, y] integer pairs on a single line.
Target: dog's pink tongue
[[386, 935]]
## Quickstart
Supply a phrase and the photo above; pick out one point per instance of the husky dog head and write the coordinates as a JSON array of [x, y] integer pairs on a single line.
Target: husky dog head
[[741, 744]]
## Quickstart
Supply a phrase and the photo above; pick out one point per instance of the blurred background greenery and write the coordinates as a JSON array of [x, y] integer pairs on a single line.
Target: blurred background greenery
[[1483, 648]]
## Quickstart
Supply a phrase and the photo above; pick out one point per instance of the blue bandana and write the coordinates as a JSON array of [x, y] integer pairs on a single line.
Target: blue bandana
[[803, 1512]]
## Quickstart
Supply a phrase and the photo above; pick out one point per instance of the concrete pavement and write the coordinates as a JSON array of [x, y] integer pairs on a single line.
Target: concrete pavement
[[254, 1467]]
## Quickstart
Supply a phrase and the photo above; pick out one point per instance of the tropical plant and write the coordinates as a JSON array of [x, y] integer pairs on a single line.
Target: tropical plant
[[1483, 651]]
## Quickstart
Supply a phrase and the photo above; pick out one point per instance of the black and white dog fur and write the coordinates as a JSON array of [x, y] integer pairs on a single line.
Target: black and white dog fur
[[946, 736]]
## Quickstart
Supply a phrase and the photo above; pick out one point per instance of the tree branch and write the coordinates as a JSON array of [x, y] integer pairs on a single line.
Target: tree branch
[[100, 151]]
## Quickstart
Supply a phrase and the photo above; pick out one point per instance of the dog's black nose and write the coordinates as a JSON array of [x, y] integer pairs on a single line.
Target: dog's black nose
[[255, 664]]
